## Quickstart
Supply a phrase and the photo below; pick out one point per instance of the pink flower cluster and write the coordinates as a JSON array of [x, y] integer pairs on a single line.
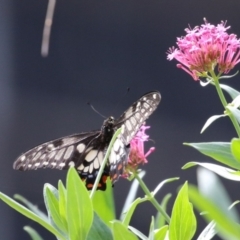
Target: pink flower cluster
[[205, 47], [137, 155]]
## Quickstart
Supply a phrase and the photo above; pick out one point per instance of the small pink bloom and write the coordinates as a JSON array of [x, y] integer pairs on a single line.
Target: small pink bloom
[[137, 155], [204, 48]]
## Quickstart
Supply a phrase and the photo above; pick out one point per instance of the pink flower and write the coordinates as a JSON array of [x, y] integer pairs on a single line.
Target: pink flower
[[137, 155], [205, 47]]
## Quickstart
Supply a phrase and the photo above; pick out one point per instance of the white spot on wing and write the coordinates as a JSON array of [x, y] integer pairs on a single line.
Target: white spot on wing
[[154, 95], [39, 148], [133, 120], [96, 163], [68, 152], [100, 157], [112, 157], [137, 115], [23, 158], [128, 124], [62, 164], [86, 169], [36, 156], [146, 105], [81, 167], [50, 147], [81, 147], [122, 129], [52, 154], [43, 156], [91, 155], [116, 145], [90, 168], [59, 154], [69, 141], [71, 164]]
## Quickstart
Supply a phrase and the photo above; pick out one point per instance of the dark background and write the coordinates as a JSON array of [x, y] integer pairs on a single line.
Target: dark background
[[98, 49]]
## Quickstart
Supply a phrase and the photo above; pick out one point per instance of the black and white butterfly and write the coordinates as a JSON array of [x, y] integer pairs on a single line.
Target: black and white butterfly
[[86, 150]]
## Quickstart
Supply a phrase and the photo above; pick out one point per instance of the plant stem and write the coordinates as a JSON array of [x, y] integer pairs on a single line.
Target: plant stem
[[151, 198], [104, 162], [224, 103]]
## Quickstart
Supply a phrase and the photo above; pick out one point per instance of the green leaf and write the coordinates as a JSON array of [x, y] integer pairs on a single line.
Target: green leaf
[[236, 102], [220, 151], [53, 206], [29, 214], [31, 206], [33, 233], [46, 201], [62, 204], [151, 230], [231, 91], [225, 225], [131, 209], [211, 120], [99, 230], [160, 220], [120, 232], [79, 207], [161, 184], [233, 204], [208, 232], [211, 187], [235, 147], [222, 171], [103, 204], [183, 222], [235, 112], [160, 234], [138, 233], [131, 195]]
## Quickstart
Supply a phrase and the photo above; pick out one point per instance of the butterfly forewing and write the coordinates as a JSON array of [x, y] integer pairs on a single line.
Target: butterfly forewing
[[130, 122], [132, 119], [86, 151]]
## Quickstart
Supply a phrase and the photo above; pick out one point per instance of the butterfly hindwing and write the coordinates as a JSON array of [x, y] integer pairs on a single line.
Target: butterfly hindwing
[[86, 151]]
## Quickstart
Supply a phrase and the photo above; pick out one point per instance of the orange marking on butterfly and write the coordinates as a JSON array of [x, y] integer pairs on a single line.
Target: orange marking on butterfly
[[90, 185], [114, 176], [120, 166], [104, 178]]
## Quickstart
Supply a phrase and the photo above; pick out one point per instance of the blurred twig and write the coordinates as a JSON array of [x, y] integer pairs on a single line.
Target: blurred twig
[[47, 28]]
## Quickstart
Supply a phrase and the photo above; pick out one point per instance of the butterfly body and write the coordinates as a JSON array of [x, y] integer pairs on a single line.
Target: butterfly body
[[86, 151]]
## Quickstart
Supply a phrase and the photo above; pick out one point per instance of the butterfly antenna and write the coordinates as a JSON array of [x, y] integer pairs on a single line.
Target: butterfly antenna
[[88, 103]]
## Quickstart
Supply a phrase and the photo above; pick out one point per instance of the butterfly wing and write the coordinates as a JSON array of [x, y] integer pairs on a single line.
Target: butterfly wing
[[85, 151], [130, 122]]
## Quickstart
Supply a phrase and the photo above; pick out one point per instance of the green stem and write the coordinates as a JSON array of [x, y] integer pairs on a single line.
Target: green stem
[[151, 198], [224, 102], [104, 162]]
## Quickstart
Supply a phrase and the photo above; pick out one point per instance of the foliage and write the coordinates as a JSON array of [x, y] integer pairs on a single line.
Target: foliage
[[73, 213]]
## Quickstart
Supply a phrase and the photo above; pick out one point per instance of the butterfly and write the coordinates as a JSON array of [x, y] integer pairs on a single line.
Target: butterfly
[[86, 151]]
